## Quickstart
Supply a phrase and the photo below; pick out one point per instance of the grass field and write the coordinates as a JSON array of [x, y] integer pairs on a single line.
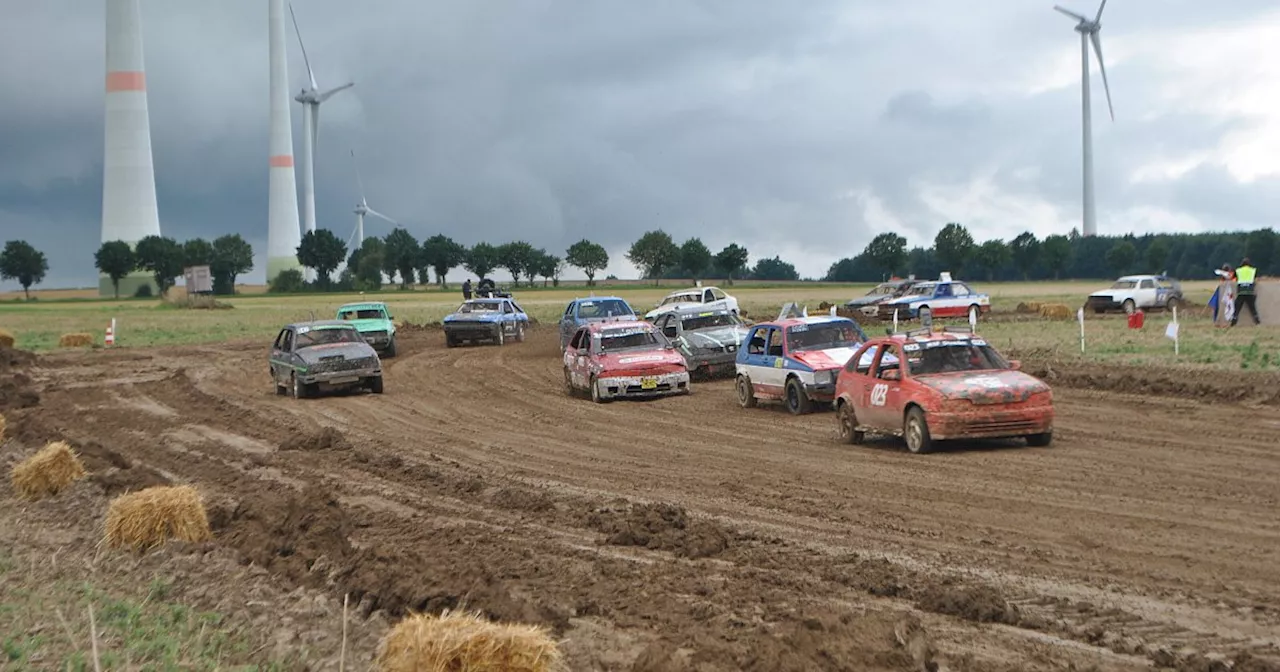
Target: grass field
[[257, 316]]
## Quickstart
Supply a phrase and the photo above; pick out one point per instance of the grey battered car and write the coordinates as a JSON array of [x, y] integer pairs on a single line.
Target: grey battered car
[[707, 337], [325, 354]]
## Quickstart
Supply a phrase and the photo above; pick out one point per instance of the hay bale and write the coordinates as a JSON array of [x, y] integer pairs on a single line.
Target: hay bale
[[1055, 311], [75, 340], [7, 339], [461, 641], [145, 519], [46, 473], [1029, 307]]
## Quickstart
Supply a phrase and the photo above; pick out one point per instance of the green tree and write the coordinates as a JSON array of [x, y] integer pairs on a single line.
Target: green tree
[[549, 267], [232, 256], [402, 253], [1026, 251], [1261, 247], [991, 256], [24, 263], [481, 260], [654, 253], [288, 281], [887, 252], [695, 258], [731, 261], [1157, 255], [774, 269], [366, 264], [953, 246], [1056, 252], [588, 256], [516, 257], [115, 260], [1121, 256], [161, 257], [441, 254], [322, 251], [197, 252]]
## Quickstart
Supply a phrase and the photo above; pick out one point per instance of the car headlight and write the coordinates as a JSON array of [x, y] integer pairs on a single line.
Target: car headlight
[[825, 377]]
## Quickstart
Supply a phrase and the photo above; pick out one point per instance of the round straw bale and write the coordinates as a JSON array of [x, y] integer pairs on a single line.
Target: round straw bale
[[462, 641], [75, 340], [1055, 311], [145, 519], [46, 473], [7, 339]]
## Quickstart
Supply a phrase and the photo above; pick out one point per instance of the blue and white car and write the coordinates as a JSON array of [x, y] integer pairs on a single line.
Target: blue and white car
[[583, 311], [488, 319], [795, 360], [941, 298]]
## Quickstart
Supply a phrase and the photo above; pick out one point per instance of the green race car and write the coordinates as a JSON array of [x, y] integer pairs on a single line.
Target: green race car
[[374, 322]]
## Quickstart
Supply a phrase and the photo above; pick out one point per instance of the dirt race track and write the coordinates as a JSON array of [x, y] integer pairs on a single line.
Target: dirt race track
[[688, 533]]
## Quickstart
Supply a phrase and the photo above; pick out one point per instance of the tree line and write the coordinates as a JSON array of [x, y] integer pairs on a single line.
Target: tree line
[[1187, 256]]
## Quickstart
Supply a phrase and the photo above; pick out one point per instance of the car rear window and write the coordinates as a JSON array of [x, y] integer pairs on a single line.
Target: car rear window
[[604, 308]]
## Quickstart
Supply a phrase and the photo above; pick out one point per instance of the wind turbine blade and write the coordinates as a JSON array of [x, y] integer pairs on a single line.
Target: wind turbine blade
[[1100, 8], [359, 182], [375, 213], [1097, 49], [1070, 13], [310, 75], [329, 94]]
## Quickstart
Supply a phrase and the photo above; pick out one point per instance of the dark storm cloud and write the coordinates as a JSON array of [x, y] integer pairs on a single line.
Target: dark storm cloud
[[551, 121]]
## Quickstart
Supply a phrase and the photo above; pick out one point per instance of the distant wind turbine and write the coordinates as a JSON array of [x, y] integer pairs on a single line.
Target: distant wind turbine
[[310, 97], [1089, 33], [362, 209]]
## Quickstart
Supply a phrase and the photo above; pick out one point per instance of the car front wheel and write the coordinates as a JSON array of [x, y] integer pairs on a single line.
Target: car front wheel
[[298, 388], [595, 391], [797, 401], [915, 430], [849, 424], [1129, 306], [746, 395], [375, 384], [391, 348], [1040, 440], [499, 337]]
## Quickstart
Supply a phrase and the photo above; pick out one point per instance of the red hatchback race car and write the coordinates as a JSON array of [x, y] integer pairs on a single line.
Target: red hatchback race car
[[623, 359], [954, 386]]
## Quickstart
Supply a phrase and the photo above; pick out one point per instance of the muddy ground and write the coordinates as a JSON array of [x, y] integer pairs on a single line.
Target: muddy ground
[[683, 533]]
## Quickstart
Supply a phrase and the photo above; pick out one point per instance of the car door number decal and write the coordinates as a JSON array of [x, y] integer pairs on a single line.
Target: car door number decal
[[878, 394]]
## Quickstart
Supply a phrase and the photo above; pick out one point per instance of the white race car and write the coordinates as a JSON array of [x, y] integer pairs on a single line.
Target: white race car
[[707, 297]]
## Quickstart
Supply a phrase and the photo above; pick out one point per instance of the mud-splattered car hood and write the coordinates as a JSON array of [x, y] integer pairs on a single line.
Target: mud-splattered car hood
[[316, 353], [985, 387], [715, 337]]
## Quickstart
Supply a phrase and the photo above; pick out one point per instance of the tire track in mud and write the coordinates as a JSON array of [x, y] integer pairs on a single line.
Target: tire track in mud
[[1142, 540]]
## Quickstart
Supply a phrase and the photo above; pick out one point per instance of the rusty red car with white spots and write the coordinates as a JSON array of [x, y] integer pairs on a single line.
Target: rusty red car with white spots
[[629, 358], [936, 385]]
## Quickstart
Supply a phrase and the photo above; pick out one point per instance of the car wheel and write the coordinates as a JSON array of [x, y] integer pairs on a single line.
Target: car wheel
[[449, 342], [1174, 302], [500, 338], [926, 315], [1129, 306], [391, 348], [746, 395], [915, 430], [849, 424], [375, 384], [299, 390], [595, 391], [1040, 440], [797, 401], [568, 382]]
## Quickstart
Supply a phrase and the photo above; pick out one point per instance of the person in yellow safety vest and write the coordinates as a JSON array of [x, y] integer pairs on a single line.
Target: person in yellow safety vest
[[1246, 291]]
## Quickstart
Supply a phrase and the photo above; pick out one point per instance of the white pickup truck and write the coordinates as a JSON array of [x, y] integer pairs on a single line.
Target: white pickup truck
[[1137, 292]]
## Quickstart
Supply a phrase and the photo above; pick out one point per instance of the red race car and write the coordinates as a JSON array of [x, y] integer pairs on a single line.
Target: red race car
[[954, 386], [623, 359]]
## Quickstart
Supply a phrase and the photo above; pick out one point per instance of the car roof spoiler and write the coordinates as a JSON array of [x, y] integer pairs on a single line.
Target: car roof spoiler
[[793, 309], [944, 329]]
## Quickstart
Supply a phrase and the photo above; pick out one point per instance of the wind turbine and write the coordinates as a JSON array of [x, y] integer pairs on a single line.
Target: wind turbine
[[310, 97], [1089, 33], [362, 209]]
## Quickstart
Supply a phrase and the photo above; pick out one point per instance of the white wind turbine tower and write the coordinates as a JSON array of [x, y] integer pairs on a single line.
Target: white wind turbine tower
[[362, 209], [310, 97], [1089, 33]]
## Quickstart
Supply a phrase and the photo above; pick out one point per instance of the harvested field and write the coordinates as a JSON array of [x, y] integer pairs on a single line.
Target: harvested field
[[688, 533]]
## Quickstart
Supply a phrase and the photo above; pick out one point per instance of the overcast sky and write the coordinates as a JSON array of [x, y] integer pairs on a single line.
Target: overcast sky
[[801, 130]]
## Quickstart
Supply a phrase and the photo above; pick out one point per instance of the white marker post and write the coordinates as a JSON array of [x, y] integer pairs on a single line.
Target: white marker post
[[973, 321], [895, 320], [1171, 331], [1080, 319]]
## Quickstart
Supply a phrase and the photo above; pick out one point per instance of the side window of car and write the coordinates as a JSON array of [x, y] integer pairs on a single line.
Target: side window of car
[[576, 341], [942, 291], [568, 310], [719, 294], [506, 307], [1148, 284], [887, 361], [861, 362], [279, 344], [960, 289], [288, 341], [708, 296], [775, 342], [755, 343]]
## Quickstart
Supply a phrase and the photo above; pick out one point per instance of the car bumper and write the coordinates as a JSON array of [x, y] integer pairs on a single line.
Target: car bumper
[[378, 339], [824, 392], [1102, 303], [617, 387], [340, 378], [991, 424], [713, 365], [473, 329]]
